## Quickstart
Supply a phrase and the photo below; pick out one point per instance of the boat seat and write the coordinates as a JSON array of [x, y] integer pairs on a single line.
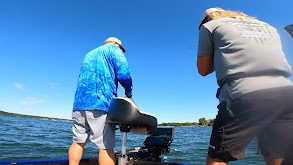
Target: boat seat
[[126, 114]]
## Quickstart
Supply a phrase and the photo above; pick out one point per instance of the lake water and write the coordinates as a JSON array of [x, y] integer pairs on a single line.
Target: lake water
[[28, 139]]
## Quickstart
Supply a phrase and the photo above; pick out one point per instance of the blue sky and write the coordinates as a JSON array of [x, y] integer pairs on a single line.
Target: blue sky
[[43, 43]]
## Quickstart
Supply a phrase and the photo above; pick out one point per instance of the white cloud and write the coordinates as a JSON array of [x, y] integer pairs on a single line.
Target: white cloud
[[52, 85], [30, 101], [18, 86]]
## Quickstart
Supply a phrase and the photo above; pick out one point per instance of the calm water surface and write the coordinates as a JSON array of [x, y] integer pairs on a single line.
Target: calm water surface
[[27, 139]]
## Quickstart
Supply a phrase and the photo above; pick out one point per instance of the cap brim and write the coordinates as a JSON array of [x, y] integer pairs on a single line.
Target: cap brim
[[200, 25], [202, 22], [122, 49]]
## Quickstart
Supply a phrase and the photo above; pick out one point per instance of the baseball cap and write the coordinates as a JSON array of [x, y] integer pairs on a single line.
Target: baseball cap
[[210, 10], [114, 39]]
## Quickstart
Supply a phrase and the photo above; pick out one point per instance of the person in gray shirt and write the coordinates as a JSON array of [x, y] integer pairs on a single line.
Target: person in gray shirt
[[254, 90]]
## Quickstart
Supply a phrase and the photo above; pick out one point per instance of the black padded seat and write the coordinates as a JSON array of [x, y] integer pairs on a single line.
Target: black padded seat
[[126, 114]]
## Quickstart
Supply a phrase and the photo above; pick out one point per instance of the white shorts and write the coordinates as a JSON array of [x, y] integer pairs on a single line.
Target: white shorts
[[92, 125]]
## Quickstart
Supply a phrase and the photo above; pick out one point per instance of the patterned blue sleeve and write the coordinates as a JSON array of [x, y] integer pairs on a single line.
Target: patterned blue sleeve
[[122, 70]]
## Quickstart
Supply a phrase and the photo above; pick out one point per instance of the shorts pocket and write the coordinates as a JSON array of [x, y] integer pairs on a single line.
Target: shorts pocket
[[78, 117]]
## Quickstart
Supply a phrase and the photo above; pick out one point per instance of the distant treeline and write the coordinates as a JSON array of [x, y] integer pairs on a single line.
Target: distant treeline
[[32, 117], [201, 122]]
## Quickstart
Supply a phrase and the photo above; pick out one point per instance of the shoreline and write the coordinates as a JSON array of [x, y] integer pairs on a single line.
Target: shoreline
[[172, 124], [3, 113]]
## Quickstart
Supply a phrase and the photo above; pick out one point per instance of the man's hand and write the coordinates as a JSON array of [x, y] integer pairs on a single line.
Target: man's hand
[[128, 94]]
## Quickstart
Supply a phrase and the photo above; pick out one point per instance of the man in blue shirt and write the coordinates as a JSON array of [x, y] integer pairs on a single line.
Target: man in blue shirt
[[101, 70]]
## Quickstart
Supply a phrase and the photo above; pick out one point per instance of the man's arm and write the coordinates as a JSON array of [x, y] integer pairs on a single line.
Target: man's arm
[[205, 53], [205, 65], [122, 71]]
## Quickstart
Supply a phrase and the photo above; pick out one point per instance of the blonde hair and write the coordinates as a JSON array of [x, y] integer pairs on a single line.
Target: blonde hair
[[229, 14]]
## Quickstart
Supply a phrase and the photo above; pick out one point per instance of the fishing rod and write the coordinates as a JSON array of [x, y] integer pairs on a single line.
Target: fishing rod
[[184, 54]]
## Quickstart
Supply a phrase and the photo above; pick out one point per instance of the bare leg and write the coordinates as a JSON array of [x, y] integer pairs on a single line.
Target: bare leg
[[273, 161], [211, 161], [75, 153], [106, 157]]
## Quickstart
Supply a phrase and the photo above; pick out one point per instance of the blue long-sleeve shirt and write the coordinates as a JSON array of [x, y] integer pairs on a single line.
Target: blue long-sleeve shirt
[[100, 72]]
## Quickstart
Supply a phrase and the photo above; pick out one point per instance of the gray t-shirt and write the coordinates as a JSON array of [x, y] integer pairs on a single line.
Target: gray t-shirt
[[248, 55]]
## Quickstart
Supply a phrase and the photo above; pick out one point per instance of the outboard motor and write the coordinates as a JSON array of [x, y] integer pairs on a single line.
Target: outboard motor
[[126, 114]]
